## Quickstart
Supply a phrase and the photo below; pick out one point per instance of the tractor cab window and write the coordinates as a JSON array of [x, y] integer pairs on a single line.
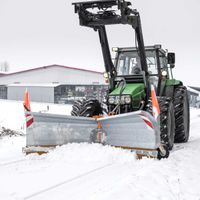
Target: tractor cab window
[[163, 63], [163, 60], [128, 64], [151, 62], [152, 67]]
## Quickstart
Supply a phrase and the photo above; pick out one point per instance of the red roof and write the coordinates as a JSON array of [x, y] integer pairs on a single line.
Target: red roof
[[50, 66], [3, 73]]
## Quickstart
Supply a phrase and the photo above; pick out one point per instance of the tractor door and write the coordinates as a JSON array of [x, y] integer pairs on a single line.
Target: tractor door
[[153, 67]]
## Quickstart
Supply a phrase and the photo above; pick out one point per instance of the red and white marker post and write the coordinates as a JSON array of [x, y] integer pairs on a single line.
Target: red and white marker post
[[27, 107]]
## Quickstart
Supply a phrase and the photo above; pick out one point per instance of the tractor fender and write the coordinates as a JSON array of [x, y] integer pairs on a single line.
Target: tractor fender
[[170, 87], [173, 82]]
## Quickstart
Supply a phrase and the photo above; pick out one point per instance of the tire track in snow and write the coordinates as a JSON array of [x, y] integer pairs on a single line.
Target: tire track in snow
[[12, 162], [67, 181], [177, 147], [97, 184]]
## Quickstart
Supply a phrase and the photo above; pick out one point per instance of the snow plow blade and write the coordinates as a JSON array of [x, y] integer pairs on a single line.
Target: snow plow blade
[[50, 130], [137, 131]]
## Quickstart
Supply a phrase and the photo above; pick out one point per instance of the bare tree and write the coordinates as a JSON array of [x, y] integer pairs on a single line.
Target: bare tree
[[4, 66]]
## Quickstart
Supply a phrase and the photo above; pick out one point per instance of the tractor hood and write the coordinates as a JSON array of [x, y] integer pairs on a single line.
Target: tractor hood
[[133, 89], [136, 92]]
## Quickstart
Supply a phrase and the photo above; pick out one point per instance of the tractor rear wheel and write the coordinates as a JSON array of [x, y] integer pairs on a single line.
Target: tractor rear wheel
[[77, 107], [90, 108], [167, 121], [182, 114], [86, 108]]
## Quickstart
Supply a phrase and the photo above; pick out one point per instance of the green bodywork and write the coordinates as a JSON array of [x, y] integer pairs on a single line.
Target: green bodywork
[[135, 90], [172, 82]]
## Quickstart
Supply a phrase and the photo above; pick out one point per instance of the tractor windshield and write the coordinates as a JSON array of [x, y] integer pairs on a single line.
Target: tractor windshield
[[128, 63]]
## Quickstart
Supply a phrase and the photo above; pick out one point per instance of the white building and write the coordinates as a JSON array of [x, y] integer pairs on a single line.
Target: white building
[[193, 96], [53, 74], [53, 83], [38, 92]]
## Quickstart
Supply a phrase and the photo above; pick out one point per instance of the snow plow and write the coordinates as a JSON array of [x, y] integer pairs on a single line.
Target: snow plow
[[137, 131], [146, 109]]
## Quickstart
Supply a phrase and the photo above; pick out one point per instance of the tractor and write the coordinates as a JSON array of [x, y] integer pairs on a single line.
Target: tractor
[[134, 71], [138, 77]]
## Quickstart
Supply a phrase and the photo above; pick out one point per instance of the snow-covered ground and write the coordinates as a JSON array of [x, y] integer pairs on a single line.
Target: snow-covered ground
[[91, 171]]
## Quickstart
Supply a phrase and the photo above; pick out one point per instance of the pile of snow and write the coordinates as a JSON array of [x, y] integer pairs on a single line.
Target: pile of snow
[[91, 153], [11, 148], [12, 115]]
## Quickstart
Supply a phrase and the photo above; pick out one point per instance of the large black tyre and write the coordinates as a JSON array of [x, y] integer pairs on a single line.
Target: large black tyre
[[86, 108], [182, 114], [90, 108], [167, 121], [77, 107]]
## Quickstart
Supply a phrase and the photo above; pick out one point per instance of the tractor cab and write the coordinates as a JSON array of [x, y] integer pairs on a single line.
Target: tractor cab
[[130, 81], [128, 64]]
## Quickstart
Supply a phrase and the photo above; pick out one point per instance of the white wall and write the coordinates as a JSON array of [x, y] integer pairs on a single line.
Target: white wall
[[54, 74], [36, 94]]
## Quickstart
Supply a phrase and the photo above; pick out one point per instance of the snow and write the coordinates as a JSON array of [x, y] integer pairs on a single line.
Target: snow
[[12, 112], [92, 171]]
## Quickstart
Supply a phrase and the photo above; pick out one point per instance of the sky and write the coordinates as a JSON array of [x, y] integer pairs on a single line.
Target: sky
[[37, 33]]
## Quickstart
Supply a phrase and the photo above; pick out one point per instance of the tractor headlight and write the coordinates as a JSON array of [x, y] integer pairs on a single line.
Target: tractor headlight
[[111, 100], [164, 73], [122, 99], [127, 99]]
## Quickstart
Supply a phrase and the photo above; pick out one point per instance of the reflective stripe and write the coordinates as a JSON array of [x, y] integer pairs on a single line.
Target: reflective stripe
[[147, 121]]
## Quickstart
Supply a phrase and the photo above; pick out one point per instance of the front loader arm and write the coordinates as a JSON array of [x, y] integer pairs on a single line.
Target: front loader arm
[[106, 55], [97, 21], [105, 15]]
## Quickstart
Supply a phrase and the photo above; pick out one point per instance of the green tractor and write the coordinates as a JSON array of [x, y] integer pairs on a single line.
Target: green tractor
[[134, 71], [140, 78]]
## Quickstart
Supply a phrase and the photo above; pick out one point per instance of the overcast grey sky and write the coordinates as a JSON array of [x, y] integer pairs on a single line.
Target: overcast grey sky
[[35, 33]]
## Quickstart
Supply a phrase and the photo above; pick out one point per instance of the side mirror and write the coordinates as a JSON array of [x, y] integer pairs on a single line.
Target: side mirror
[[171, 59]]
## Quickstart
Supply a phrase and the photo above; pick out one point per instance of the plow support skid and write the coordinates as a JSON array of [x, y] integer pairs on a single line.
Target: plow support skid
[[135, 130]]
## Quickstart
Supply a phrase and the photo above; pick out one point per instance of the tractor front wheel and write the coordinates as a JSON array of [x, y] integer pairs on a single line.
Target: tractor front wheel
[[167, 122]]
